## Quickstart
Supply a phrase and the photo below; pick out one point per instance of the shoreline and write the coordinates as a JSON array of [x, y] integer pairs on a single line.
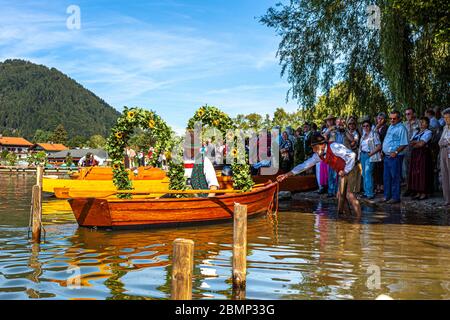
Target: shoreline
[[435, 203]]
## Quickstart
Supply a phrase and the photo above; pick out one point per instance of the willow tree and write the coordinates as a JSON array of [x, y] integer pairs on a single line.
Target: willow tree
[[397, 47], [323, 42]]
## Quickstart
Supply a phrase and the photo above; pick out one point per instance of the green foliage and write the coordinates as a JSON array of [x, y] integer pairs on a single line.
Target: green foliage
[[42, 136], [177, 178], [120, 134], [280, 118], [242, 179], [77, 142], [340, 103], [252, 120], [97, 142], [3, 155], [59, 135], [141, 139], [315, 34], [35, 97], [37, 158], [69, 160], [324, 42], [213, 117], [11, 159]]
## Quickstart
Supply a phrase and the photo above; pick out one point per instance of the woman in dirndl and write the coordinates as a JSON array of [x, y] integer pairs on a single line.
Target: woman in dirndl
[[420, 178]]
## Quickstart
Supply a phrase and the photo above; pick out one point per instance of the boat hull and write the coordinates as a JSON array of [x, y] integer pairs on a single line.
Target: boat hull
[[135, 213]]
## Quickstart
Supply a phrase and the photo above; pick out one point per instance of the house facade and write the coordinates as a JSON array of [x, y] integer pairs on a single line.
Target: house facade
[[19, 146]]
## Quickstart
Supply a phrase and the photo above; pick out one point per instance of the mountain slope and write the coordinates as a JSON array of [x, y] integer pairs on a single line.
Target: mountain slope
[[35, 97]]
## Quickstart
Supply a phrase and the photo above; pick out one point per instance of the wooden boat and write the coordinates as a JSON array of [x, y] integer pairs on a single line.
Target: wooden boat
[[112, 212]]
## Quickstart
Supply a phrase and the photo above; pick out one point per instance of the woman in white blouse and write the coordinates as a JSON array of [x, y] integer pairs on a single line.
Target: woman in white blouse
[[420, 177], [444, 144], [369, 154]]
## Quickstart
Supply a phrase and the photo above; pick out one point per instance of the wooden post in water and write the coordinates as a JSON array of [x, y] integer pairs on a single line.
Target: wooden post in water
[[239, 246], [36, 212], [182, 269], [342, 194], [39, 175]]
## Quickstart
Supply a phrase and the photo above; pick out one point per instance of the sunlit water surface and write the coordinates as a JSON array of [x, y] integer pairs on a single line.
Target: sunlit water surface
[[306, 252]]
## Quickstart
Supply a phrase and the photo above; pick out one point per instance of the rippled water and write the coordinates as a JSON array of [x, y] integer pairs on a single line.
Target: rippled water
[[307, 252]]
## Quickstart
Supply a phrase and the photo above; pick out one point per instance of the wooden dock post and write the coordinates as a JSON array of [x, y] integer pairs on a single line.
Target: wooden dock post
[[36, 208], [182, 269], [36, 212], [39, 175], [239, 246], [342, 194]]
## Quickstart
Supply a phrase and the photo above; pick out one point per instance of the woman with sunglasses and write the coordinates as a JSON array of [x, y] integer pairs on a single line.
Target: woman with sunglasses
[[369, 154]]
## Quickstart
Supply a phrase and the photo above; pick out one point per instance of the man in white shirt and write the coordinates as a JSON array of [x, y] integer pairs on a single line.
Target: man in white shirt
[[338, 157]]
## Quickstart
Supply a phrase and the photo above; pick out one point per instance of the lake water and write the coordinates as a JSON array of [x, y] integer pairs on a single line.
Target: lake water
[[306, 252]]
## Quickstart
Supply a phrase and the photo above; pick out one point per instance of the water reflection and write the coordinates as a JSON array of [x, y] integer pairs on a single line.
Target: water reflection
[[308, 252]]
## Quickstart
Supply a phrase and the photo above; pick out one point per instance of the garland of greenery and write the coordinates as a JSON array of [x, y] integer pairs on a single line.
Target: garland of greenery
[[121, 132], [214, 117]]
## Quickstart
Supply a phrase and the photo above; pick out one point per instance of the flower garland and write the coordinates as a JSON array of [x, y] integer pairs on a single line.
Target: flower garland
[[214, 117], [121, 132]]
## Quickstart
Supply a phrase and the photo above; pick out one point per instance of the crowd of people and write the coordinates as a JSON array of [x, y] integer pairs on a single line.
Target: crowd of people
[[412, 150]]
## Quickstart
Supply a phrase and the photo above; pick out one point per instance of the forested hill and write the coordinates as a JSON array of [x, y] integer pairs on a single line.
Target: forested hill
[[35, 97]]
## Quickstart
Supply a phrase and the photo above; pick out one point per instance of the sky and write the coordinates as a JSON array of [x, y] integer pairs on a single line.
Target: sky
[[170, 56]]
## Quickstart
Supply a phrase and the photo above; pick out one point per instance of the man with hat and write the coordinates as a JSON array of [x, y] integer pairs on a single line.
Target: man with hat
[[338, 157]]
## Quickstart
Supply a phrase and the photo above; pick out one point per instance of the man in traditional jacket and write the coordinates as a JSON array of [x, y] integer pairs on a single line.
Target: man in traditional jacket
[[338, 157]]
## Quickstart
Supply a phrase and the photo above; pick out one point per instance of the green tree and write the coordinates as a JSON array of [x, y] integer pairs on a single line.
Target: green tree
[[77, 142], [42, 136], [324, 42], [339, 103], [97, 142], [59, 135], [37, 158], [11, 159]]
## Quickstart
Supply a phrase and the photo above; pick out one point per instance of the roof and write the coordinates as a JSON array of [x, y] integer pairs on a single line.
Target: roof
[[79, 153], [14, 141], [51, 146]]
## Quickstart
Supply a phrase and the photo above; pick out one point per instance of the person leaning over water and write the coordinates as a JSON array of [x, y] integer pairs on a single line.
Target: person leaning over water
[[444, 145], [338, 157]]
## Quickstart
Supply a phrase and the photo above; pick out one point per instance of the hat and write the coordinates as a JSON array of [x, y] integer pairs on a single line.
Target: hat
[[330, 117], [317, 138]]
